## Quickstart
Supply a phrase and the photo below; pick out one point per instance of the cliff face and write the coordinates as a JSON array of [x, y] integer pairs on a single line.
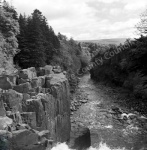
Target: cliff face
[[34, 109]]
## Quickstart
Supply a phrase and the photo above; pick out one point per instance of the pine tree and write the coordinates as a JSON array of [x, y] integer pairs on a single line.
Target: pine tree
[[22, 58], [37, 41], [47, 40]]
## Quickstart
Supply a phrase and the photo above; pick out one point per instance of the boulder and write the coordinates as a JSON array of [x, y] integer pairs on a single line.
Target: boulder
[[95, 137], [48, 69], [44, 134], [42, 71], [12, 78], [29, 73], [35, 105], [13, 100], [5, 138], [47, 82], [16, 117], [65, 73], [25, 97], [23, 88], [30, 140], [38, 82], [24, 103], [57, 69], [32, 72], [35, 82], [22, 126], [5, 122], [29, 118], [39, 90], [23, 138], [80, 137], [5, 83], [57, 78], [23, 74], [21, 81]]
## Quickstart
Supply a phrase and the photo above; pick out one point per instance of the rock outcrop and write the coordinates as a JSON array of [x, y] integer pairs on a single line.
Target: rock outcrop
[[34, 109], [80, 137]]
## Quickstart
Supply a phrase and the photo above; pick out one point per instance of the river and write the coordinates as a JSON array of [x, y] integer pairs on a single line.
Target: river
[[112, 126]]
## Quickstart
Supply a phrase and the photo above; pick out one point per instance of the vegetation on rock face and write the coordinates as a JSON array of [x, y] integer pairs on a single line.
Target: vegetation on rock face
[[39, 45], [9, 29], [31, 42], [68, 56]]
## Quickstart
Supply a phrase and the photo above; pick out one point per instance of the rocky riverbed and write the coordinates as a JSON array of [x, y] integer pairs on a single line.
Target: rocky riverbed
[[97, 107]]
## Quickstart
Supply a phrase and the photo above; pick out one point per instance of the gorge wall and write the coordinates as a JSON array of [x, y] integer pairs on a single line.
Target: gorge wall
[[34, 109]]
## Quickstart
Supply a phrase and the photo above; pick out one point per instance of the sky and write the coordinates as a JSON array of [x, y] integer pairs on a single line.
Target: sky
[[88, 19]]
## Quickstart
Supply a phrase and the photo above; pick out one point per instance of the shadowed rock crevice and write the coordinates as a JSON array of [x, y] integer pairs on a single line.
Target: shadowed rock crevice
[[80, 137]]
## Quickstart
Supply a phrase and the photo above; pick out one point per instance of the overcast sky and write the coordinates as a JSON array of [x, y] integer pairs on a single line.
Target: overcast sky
[[88, 19]]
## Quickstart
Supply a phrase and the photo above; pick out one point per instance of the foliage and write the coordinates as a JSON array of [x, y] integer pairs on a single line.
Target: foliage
[[69, 54], [37, 41], [142, 25], [9, 29], [128, 68], [69, 58]]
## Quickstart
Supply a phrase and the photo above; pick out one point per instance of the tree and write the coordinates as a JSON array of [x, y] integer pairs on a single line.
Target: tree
[[37, 41], [10, 9], [22, 58], [9, 29], [142, 25], [62, 37], [51, 42]]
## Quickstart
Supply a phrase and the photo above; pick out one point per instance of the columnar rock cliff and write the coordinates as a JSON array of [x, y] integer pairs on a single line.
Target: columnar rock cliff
[[34, 109]]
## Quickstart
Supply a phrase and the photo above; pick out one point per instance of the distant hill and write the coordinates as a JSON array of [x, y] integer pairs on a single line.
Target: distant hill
[[116, 41]]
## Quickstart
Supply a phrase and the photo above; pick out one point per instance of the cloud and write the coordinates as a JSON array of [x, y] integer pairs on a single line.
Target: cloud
[[105, 29], [88, 19], [115, 11], [136, 5], [107, 1]]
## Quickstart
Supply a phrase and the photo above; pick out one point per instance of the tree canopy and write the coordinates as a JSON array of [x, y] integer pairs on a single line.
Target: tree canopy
[[37, 41]]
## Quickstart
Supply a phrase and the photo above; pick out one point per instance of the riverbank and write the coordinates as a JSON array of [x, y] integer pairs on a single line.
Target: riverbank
[[109, 118]]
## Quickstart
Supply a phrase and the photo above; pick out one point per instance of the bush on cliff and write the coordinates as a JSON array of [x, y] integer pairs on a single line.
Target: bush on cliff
[[9, 29], [68, 56], [71, 58]]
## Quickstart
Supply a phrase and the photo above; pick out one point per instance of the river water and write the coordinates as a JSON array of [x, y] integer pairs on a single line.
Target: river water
[[112, 126]]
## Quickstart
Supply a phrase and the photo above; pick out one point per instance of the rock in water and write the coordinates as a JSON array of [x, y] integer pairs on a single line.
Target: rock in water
[[80, 137]]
